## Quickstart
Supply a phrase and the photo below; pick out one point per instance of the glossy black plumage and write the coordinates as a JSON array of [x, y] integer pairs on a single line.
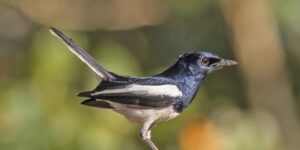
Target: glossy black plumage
[[184, 74]]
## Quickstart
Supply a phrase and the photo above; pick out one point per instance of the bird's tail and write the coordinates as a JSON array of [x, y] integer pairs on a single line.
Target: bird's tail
[[96, 103], [82, 55], [85, 94]]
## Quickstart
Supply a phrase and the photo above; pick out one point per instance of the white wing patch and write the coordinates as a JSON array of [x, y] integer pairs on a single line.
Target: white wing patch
[[153, 90]]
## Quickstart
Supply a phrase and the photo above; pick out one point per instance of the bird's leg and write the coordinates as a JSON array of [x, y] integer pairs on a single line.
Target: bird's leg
[[146, 134]]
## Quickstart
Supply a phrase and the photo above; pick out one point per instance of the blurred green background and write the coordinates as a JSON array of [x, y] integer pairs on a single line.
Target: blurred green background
[[254, 106]]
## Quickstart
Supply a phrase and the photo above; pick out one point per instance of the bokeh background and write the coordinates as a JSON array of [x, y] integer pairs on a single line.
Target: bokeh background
[[253, 106]]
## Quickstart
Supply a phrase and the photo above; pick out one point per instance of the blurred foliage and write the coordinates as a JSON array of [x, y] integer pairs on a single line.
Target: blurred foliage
[[39, 77]]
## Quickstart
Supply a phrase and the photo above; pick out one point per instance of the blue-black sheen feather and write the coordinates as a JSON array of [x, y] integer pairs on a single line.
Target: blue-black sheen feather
[[185, 74], [186, 82]]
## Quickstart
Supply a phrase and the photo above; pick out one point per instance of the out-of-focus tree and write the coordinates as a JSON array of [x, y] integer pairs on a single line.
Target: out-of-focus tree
[[263, 63]]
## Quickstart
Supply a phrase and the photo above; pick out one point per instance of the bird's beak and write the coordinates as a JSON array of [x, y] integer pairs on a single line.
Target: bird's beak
[[223, 63], [226, 62]]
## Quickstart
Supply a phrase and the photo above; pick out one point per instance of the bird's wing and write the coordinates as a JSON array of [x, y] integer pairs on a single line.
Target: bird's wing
[[136, 93], [82, 54]]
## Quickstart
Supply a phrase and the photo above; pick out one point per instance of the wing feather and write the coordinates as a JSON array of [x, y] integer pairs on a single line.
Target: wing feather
[[136, 94]]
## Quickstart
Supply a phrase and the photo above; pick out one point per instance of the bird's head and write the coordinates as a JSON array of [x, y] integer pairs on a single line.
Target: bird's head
[[204, 62]]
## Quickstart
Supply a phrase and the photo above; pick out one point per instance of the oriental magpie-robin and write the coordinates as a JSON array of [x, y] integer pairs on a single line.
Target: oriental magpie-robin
[[148, 100]]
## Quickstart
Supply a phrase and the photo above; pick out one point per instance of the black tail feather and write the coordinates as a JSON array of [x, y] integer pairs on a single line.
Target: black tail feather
[[85, 94], [96, 103], [82, 55]]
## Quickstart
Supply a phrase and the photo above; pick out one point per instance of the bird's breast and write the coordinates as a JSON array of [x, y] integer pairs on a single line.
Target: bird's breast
[[189, 90]]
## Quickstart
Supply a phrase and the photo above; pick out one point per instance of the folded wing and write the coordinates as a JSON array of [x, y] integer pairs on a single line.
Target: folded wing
[[158, 95]]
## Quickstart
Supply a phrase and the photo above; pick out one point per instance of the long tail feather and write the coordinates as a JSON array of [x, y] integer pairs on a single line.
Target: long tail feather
[[82, 54]]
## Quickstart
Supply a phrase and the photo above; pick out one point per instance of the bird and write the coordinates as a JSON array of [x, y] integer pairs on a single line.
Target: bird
[[152, 99]]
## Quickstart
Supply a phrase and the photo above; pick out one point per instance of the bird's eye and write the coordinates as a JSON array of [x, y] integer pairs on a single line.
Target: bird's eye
[[204, 61]]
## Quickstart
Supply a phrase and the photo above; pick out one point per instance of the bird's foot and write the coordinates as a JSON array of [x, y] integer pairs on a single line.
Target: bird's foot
[[146, 136]]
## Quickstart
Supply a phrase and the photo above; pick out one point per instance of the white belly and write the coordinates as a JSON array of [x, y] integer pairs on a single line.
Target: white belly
[[146, 114]]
